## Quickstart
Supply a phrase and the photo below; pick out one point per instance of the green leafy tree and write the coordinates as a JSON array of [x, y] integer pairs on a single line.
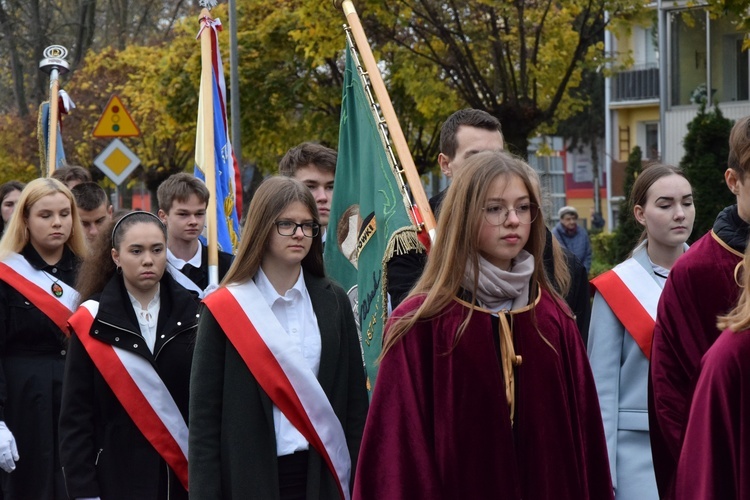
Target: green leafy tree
[[628, 230], [704, 163]]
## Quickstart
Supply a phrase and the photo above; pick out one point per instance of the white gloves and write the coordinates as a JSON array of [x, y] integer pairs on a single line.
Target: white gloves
[[8, 449]]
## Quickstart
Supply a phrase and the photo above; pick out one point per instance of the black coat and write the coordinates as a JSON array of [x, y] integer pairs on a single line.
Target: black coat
[[102, 451], [199, 275], [232, 438], [32, 361]]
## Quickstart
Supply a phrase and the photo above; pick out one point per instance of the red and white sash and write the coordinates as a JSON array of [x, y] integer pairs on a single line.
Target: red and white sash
[[278, 366], [141, 392], [633, 295], [36, 286]]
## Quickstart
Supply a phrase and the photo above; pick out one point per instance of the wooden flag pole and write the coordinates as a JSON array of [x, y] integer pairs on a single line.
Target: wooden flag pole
[[209, 166], [54, 64], [386, 106]]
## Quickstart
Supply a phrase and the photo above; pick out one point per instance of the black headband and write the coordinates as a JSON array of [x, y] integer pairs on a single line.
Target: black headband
[[135, 212]]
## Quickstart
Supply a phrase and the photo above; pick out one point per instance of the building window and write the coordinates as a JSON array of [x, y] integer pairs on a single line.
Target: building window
[[692, 48], [687, 31]]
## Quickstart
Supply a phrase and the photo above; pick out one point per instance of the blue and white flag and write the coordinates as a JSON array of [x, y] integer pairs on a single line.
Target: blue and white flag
[[228, 226]]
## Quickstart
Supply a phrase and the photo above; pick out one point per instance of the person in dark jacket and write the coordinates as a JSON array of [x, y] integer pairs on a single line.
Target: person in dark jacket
[[277, 398], [39, 257], [572, 236], [123, 424], [183, 200]]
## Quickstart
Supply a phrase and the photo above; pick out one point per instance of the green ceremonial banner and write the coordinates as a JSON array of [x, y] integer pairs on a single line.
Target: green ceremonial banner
[[369, 222]]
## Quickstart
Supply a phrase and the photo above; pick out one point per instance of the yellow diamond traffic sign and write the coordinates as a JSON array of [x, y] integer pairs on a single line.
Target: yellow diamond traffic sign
[[117, 161]]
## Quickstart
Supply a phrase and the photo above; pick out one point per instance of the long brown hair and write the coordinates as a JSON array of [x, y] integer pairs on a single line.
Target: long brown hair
[[16, 236], [273, 196], [457, 239]]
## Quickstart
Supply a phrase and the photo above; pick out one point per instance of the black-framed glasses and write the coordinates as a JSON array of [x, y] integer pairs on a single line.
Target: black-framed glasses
[[288, 228], [496, 214]]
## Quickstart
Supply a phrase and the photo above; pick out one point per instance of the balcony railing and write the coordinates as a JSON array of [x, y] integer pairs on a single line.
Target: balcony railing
[[636, 84]]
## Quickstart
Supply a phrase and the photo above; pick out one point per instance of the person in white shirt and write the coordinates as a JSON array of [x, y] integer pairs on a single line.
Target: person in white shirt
[[123, 421], [278, 399], [183, 199]]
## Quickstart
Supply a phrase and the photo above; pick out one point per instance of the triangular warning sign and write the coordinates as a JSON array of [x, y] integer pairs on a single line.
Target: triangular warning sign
[[116, 121]]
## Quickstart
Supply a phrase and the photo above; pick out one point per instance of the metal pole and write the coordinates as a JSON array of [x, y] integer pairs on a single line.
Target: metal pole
[[709, 93], [609, 132], [664, 54], [234, 84]]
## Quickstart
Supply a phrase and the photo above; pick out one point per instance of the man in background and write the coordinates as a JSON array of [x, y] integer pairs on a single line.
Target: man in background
[[72, 175], [314, 166], [93, 207]]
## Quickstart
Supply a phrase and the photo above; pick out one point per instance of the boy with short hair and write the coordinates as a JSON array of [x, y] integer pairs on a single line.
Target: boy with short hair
[[183, 199], [72, 175], [314, 165], [93, 207]]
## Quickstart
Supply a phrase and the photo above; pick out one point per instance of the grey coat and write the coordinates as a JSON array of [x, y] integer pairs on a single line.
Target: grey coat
[[621, 373], [232, 444]]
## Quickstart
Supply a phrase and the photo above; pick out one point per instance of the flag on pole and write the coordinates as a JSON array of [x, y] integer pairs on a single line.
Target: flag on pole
[[369, 221], [228, 226], [66, 104]]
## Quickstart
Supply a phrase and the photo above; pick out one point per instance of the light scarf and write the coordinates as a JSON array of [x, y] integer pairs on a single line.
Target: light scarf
[[497, 286]]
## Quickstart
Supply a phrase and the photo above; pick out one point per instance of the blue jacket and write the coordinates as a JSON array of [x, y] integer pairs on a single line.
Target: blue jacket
[[621, 373], [578, 244]]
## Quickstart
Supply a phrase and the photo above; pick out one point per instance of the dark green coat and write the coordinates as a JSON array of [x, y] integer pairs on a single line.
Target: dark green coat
[[232, 446]]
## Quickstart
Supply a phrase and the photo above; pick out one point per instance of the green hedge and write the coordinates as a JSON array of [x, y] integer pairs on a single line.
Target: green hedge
[[604, 249]]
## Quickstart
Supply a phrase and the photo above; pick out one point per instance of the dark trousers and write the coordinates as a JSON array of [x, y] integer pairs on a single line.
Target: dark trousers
[[293, 476]]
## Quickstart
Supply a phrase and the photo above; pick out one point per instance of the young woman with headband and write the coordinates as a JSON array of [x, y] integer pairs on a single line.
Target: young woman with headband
[[123, 425]]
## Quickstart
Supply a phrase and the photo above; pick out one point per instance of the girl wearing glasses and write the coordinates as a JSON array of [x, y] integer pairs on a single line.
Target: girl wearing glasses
[[623, 319], [484, 389], [123, 423], [278, 399]]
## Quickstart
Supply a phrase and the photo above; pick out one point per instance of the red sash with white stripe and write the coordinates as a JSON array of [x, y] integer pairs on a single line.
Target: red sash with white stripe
[[281, 371], [633, 295], [35, 285], [141, 392]]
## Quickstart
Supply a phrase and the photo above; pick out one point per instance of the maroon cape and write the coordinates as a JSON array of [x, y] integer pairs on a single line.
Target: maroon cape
[[439, 423], [700, 287], [715, 458]]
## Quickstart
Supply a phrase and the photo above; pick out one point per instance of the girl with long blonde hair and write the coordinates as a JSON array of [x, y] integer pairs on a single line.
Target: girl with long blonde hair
[[484, 389], [40, 253]]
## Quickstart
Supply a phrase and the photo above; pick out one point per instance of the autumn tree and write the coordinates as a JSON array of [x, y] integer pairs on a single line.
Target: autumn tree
[[146, 79], [515, 60], [29, 26]]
